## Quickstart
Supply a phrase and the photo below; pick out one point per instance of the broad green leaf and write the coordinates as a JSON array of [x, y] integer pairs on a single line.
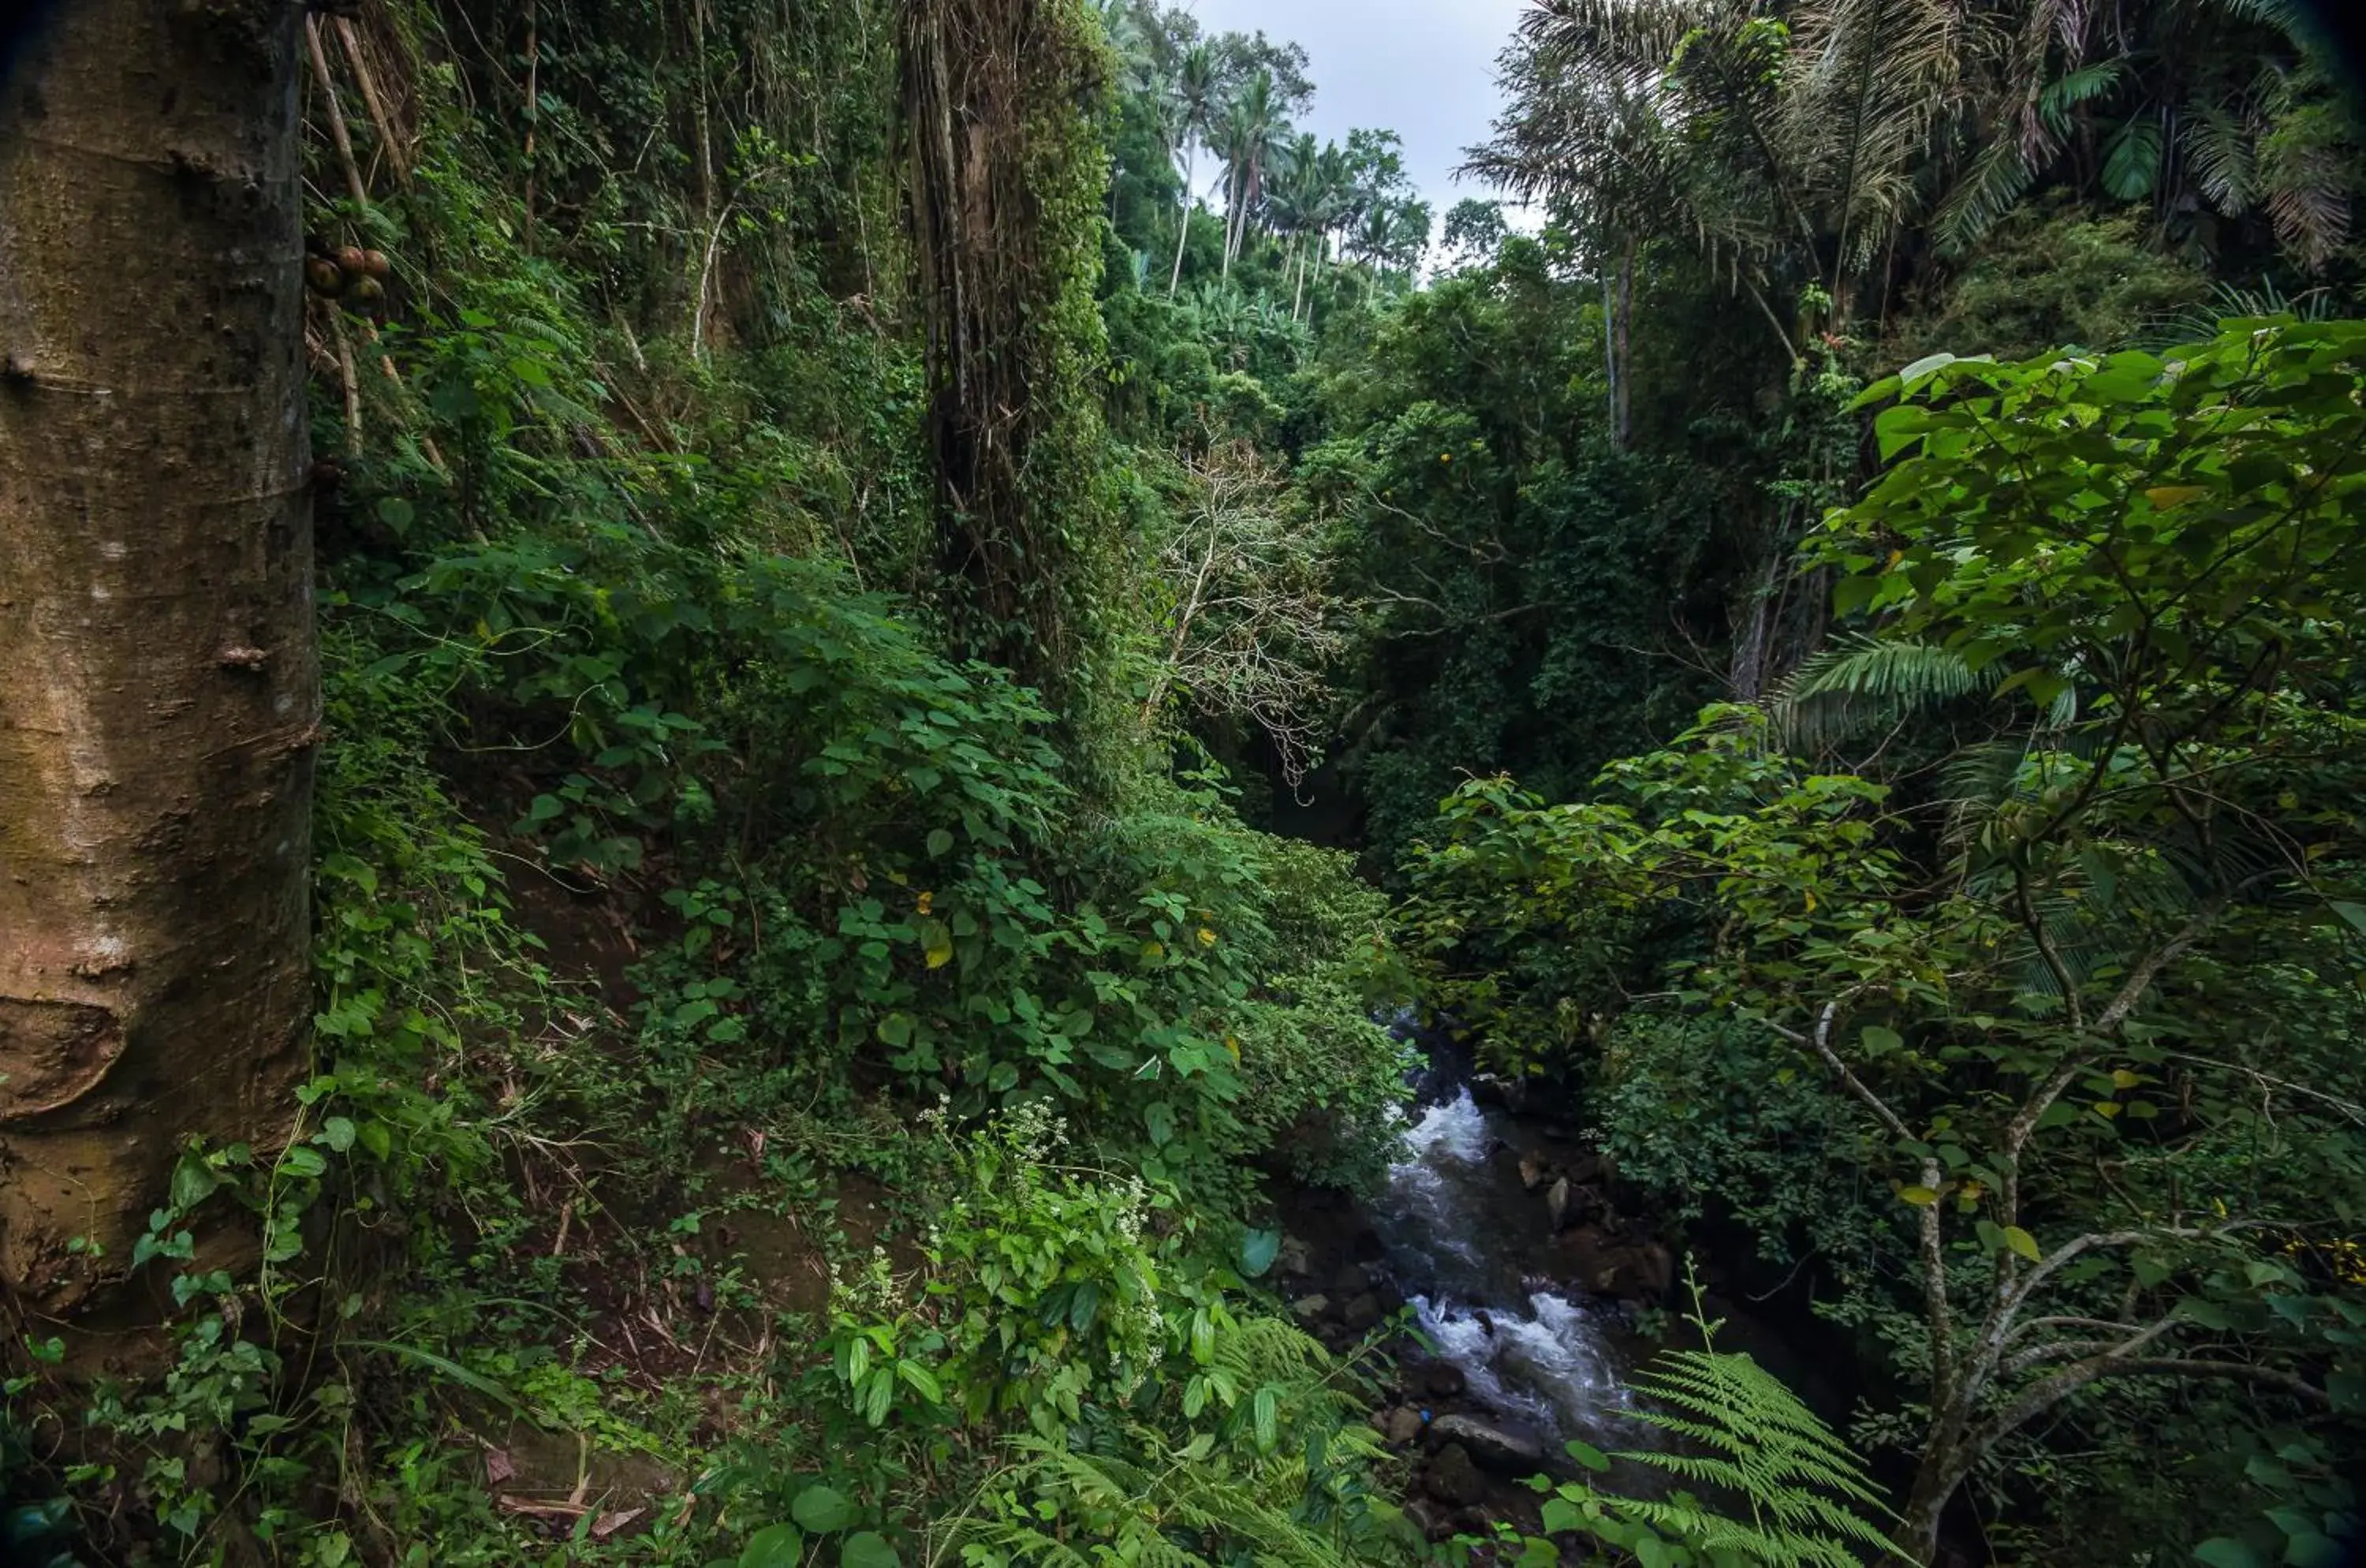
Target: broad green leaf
[[1589, 1456], [774, 1546], [2226, 1551], [822, 1509], [193, 1182], [2021, 1242], [1924, 367], [1921, 1197], [868, 1549], [1258, 1249], [922, 1381]]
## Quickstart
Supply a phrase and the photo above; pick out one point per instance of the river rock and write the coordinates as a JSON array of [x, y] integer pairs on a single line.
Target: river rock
[[1533, 1172], [1451, 1476], [1557, 1201], [1433, 1521], [1294, 1258], [1306, 1309], [1442, 1380], [1353, 1280], [1361, 1313], [1643, 1271], [1512, 1453], [1401, 1425]]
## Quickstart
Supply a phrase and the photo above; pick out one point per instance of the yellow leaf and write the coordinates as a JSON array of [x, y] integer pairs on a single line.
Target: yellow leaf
[[2106, 1109], [2124, 1078], [1811, 900], [1207, 937], [928, 901], [2167, 496], [2020, 1241], [1233, 1044], [941, 955], [1921, 1197]]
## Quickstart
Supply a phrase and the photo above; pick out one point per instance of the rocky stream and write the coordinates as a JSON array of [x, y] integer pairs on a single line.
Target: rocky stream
[[1499, 1231]]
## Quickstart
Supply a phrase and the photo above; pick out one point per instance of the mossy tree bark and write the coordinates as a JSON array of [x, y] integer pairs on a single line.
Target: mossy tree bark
[[1001, 102], [159, 685]]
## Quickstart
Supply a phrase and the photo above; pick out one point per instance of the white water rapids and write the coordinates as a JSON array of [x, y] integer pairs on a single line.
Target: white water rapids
[[1455, 1224]]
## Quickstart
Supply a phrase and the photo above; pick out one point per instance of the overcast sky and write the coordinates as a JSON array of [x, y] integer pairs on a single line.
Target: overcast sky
[[1425, 69]]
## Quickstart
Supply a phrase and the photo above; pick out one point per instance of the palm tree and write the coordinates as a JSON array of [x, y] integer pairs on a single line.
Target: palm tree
[[1196, 80], [1294, 201], [1254, 134], [1793, 152]]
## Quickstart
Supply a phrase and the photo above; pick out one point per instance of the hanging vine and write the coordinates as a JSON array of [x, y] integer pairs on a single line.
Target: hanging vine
[[1006, 174]]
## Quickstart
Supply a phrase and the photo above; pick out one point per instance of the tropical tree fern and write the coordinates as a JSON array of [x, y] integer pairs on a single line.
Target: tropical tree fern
[[1781, 1490]]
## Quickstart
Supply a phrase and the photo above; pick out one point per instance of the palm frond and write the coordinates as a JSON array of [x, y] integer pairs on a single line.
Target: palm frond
[[1861, 683], [2131, 162], [2059, 98], [2217, 148], [1998, 177]]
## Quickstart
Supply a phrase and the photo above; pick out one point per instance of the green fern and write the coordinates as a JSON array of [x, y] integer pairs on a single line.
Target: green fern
[[1789, 1493]]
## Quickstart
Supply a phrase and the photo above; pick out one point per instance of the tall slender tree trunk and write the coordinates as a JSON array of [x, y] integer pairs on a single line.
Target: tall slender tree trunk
[[1231, 217], [161, 698], [1297, 294], [1183, 223], [1622, 328]]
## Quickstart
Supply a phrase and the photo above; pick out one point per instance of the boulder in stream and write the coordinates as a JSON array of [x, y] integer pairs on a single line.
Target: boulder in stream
[[1441, 1379], [1641, 1271], [1451, 1476], [1513, 1453]]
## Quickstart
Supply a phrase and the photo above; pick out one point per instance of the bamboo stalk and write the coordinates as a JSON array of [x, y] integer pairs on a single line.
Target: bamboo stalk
[[351, 382], [337, 132], [387, 137]]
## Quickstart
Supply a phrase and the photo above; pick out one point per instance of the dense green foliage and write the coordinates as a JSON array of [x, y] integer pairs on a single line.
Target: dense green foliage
[[823, 606], [2066, 956]]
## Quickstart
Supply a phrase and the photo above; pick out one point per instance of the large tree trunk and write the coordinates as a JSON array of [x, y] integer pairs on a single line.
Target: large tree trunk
[[1006, 185], [159, 685]]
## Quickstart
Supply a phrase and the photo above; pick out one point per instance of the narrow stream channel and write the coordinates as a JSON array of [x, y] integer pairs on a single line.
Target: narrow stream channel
[[1461, 1237]]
